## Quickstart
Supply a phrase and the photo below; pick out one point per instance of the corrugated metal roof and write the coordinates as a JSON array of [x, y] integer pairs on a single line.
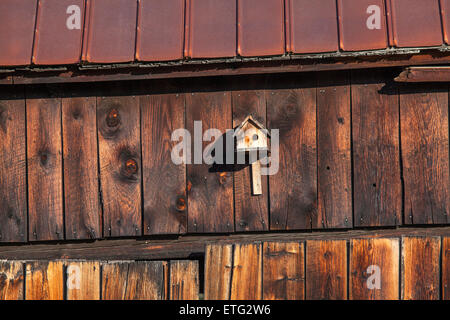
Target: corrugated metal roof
[[59, 32]]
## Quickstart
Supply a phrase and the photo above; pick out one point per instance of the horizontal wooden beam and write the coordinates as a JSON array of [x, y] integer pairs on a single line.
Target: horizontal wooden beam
[[425, 74], [74, 75], [188, 246]]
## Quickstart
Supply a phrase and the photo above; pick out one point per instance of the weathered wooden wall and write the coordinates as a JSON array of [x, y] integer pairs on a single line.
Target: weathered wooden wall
[[410, 268], [93, 161]]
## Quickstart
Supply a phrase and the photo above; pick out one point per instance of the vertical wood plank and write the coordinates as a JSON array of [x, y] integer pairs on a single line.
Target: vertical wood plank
[[334, 152], [45, 190], [83, 219], [246, 283], [420, 268], [425, 153], [83, 280], [210, 188], [13, 185], [164, 186], [120, 165], [376, 151], [143, 280], [44, 280], [446, 268], [11, 280], [370, 260], [251, 212], [293, 189], [283, 271], [184, 280], [218, 266], [326, 270]]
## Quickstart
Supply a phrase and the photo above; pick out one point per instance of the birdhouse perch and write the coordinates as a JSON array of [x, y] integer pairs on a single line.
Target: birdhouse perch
[[251, 138]]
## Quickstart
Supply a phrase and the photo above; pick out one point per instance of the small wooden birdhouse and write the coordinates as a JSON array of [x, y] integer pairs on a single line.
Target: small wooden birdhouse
[[252, 136]]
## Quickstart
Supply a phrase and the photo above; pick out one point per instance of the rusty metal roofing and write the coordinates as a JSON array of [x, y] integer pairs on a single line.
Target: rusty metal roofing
[[64, 32]]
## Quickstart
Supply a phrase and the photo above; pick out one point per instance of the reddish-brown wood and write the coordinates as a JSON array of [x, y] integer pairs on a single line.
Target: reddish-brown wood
[[210, 187], [118, 122], [376, 163], [326, 270], [83, 216], [420, 268], [334, 152], [374, 269], [283, 271], [293, 189], [425, 153], [445, 268], [13, 180], [251, 211], [44, 152], [164, 183]]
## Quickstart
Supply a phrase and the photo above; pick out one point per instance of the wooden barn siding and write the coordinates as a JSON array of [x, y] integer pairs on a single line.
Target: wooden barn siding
[[412, 268], [356, 150]]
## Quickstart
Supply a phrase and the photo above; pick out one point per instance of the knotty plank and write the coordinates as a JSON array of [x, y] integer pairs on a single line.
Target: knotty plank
[[446, 268], [13, 185], [326, 270], [246, 282], [164, 184], [425, 153], [293, 189], [120, 165], [45, 189], [374, 269], [44, 280], [376, 151], [334, 152], [283, 271], [210, 190], [83, 280], [143, 280], [184, 280], [218, 266], [83, 217], [11, 280], [251, 212], [420, 268]]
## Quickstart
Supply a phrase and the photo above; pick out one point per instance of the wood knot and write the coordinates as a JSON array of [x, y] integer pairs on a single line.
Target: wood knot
[[181, 204], [131, 167], [43, 157], [113, 118]]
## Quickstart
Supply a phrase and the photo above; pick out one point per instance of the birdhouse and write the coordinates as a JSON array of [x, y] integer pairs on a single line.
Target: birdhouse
[[252, 136]]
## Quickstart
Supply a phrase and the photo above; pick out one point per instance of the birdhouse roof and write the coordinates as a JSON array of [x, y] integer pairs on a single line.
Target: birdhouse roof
[[253, 121]]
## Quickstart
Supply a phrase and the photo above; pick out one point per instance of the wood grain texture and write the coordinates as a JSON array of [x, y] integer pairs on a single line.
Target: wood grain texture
[[367, 257], [143, 280], [13, 183], [376, 151], [210, 189], [83, 216], [83, 280], [120, 165], [326, 270], [445, 268], [44, 280], [425, 153], [164, 184], [283, 271], [218, 267], [184, 280], [420, 268], [293, 189], [251, 212], [334, 152], [246, 282], [45, 189], [11, 280]]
